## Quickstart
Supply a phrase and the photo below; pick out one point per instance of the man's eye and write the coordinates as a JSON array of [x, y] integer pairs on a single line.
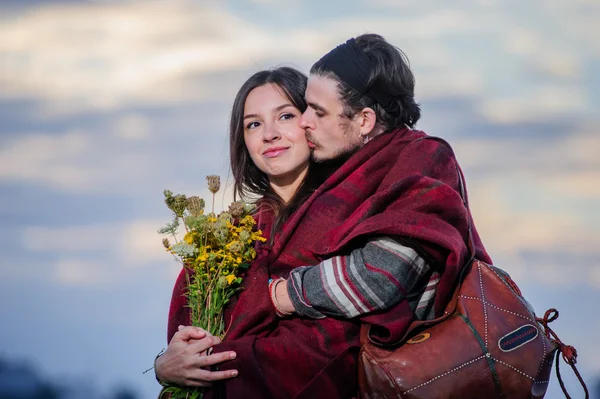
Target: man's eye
[[252, 125], [319, 114]]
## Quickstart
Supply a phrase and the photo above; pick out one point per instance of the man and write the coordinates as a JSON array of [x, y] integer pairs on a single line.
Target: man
[[344, 113], [381, 242]]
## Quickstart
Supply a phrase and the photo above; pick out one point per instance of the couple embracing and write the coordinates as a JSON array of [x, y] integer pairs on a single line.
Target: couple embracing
[[365, 225]]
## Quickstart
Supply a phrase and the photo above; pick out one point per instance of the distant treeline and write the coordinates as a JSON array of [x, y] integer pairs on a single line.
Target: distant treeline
[[20, 380]]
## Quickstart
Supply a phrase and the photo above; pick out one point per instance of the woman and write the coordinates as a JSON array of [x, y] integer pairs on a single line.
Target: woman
[[269, 158], [273, 101]]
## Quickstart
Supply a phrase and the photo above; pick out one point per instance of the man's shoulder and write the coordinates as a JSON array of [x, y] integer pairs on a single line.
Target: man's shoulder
[[412, 137], [406, 135]]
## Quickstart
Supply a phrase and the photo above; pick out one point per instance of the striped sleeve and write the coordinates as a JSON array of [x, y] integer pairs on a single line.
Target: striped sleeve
[[372, 278]]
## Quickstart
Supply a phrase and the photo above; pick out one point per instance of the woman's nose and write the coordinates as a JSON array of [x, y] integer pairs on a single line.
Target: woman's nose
[[271, 133]]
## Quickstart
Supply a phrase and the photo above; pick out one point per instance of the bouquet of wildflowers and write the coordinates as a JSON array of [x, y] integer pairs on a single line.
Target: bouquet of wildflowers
[[216, 249]]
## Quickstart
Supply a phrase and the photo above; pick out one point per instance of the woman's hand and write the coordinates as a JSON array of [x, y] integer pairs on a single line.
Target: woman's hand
[[185, 360]]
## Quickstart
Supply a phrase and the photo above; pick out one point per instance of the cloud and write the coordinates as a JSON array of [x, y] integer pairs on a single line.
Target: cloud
[[132, 127], [511, 226], [100, 253], [519, 75], [534, 202], [543, 157], [41, 155], [80, 272], [423, 23], [533, 234], [129, 154], [136, 242], [545, 101], [140, 244], [108, 55], [76, 160], [594, 277]]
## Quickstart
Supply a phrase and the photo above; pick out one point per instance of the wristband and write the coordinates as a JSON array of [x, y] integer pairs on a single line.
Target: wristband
[[161, 382]]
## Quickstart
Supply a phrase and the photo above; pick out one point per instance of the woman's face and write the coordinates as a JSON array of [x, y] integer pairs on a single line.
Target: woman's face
[[275, 141]]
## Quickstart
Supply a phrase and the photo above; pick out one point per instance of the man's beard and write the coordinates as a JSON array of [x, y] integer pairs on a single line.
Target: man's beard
[[342, 153], [340, 156]]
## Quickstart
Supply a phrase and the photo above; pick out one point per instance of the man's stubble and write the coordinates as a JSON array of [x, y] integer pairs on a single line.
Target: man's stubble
[[340, 154]]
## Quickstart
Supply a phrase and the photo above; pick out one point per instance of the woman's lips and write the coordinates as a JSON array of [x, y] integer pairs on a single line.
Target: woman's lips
[[274, 152]]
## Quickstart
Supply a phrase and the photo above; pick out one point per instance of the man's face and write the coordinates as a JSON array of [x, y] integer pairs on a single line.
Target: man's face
[[329, 133]]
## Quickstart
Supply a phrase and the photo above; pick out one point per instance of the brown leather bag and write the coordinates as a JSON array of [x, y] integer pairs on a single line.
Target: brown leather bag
[[488, 344]]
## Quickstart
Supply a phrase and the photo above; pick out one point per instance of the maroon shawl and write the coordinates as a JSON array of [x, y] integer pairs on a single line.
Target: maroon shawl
[[401, 185]]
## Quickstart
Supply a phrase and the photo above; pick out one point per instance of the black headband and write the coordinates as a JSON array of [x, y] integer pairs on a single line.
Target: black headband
[[353, 66]]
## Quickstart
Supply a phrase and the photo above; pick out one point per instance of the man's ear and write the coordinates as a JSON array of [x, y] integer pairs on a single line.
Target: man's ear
[[367, 119]]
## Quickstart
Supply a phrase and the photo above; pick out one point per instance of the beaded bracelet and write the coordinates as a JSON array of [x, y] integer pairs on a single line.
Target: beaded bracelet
[[272, 290]]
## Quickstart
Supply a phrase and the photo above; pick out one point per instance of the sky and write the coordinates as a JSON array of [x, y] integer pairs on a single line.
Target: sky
[[103, 104]]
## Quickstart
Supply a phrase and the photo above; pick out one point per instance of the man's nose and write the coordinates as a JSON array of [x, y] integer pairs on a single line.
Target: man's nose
[[306, 121]]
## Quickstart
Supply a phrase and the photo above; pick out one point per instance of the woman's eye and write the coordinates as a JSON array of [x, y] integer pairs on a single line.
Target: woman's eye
[[286, 117], [252, 125]]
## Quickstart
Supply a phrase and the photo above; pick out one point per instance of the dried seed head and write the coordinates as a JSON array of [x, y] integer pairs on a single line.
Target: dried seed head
[[176, 203], [245, 235], [166, 243], [236, 247], [222, 282], [236, 209], [214, 183], [195, 205]]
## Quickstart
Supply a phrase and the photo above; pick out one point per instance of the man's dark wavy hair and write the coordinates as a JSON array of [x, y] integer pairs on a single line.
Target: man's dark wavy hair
[[391, 72]]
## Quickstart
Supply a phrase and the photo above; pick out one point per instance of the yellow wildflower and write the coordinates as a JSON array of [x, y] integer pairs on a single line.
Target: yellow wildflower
[[189, 237], [230, 279]]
